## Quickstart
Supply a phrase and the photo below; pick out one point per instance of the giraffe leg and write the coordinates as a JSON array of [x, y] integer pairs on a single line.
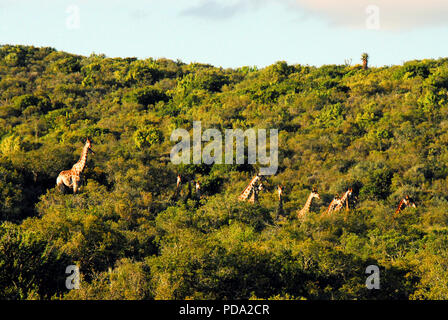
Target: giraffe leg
[[62, 181], [75, 184]]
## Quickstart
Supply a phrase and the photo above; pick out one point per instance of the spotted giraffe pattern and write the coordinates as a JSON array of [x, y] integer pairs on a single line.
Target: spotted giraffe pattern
[[280, 201], [335, 202], [71, 178], [406, 202], [306, 207], [343, 200], [251, 189], [257, 187]]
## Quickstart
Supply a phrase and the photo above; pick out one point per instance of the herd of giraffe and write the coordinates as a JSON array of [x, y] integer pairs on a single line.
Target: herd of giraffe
[[197, 189], [336, 204], [71, 179]]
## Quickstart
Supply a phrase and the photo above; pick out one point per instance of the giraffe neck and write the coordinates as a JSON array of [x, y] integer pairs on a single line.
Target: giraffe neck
[[344, 197], [342, 201], [400, 206], [249, 189], [79, 166], [306, 207]]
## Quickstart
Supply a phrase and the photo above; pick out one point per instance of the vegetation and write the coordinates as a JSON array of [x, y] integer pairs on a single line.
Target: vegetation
[[381, 131], [365, 61]]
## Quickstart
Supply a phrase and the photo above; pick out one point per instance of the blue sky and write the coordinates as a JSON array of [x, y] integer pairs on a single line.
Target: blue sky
[[233, 33]]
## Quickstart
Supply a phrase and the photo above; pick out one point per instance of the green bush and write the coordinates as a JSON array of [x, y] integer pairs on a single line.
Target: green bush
[[147, 137], [146, 96]]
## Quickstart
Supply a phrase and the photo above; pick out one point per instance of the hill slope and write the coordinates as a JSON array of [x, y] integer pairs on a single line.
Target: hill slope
[[382, 132]]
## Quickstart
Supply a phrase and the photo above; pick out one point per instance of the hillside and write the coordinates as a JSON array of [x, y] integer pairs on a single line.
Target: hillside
[[382, 132]]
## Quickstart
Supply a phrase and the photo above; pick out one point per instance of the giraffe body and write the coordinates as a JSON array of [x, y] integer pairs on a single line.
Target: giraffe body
[[338, 203], [256, 188], [406, 202], [178, 188], [280, 201], [335, 202], [71, 178], [344, 199]]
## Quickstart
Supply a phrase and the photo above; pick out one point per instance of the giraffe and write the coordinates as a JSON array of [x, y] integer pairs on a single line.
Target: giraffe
[[306, 208], [280, 201], [178, 188], [344, 199], [252, 190], [179, 181], [280, 193], [71, 178], [407, 201], [335, 202], [256, 188], [198, 189], [249, 188]]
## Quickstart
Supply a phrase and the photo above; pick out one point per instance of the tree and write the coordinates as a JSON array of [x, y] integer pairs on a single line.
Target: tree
[[365, 61]]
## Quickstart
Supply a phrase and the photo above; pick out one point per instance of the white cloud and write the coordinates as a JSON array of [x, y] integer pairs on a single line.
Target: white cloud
[[393, 14]]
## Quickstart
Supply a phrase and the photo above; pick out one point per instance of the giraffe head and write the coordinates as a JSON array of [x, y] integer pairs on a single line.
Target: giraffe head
[[261, 179], [315, 193], [88, 145]]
